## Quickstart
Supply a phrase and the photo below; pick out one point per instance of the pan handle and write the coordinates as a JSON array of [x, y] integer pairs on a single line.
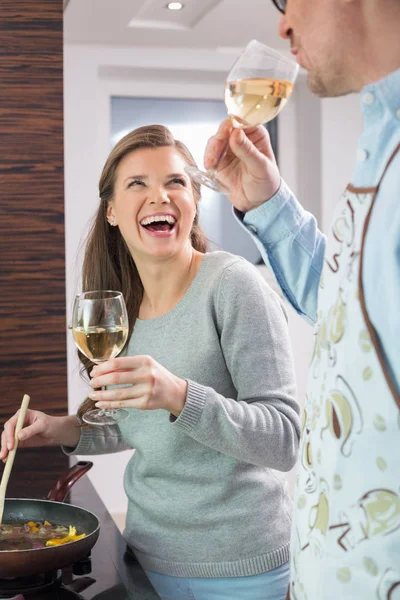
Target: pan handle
[[59, 492]]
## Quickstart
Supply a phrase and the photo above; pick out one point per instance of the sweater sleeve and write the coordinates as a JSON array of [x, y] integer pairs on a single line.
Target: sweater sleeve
[[261, 426], [106, 439]]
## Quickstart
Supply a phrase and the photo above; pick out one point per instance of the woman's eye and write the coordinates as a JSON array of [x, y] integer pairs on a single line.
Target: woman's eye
[[178, 180], [136, 183]]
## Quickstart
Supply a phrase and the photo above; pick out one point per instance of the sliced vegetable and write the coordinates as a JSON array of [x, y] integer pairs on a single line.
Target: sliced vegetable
[[71, 537]]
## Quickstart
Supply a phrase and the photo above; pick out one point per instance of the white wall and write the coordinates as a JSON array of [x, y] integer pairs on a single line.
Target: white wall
[[316, 151]]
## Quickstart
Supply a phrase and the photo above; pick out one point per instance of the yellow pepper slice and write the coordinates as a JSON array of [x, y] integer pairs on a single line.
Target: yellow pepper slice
[[33, 527], [71, 537]]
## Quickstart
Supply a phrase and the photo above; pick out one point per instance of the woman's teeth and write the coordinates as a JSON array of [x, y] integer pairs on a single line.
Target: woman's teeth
[[158, 219]]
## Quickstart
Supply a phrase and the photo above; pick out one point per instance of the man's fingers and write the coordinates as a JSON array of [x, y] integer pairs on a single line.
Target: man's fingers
[[260, 137], [224, 129], [245, 150], [216, 144]]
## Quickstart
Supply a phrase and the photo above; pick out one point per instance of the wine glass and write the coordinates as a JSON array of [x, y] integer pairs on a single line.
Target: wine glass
[[256, 90], [100, 330]]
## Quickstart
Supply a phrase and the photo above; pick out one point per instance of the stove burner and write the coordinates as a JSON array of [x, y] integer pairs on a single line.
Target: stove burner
[[11, 588]]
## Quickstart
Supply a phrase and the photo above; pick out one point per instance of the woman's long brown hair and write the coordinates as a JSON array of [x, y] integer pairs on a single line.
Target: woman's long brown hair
[[108, 264]]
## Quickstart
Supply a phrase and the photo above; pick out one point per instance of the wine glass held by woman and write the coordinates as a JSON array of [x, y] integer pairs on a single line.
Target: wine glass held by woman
[[100, 330], [206, 376]]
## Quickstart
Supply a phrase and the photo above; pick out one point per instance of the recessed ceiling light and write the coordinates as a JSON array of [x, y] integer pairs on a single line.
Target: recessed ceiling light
[[175, 5]]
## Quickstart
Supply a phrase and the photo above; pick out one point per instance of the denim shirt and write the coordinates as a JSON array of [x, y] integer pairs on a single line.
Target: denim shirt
[[294, 248]]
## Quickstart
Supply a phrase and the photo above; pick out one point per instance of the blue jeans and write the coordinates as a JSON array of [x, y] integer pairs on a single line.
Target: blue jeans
[[272, 585]]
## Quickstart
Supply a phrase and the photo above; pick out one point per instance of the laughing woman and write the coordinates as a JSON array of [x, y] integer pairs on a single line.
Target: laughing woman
[[207, 374]]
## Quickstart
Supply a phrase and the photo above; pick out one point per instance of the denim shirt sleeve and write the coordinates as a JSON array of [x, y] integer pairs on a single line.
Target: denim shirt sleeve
[[291, 245]]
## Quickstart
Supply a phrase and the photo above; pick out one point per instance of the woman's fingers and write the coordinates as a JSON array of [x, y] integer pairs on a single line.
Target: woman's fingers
[[8, 435], [125, 363], [4, 450], [115, 378], [120, 371], [35, 425], [36, 428], [9, 431], [141, 402], [149, 386], [120, 394]]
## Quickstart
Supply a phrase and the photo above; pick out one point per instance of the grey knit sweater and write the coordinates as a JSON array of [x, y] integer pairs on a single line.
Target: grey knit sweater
[[203, 499]]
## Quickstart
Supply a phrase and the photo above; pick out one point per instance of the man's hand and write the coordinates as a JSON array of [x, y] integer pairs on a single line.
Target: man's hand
[[248, 169]]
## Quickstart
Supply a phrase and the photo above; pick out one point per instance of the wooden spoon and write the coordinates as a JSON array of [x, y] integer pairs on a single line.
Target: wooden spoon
[[11, 454]]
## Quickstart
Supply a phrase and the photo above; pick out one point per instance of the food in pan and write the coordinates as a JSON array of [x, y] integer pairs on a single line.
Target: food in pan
[[31, 535]]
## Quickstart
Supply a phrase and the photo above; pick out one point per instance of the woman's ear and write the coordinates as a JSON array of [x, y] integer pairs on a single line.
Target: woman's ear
[[110, 216]]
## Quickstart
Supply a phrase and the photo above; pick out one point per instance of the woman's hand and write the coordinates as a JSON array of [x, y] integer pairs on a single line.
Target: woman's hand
[[40, 430], [151, 385], [248, 169]]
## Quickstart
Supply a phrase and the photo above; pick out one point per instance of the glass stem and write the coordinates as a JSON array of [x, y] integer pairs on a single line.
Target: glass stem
[[102, 411]]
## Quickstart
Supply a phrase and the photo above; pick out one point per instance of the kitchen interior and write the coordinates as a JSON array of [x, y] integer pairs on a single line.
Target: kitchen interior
[[75, 78]]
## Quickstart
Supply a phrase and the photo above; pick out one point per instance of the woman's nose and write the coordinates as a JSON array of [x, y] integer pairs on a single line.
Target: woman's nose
[[159, 196]]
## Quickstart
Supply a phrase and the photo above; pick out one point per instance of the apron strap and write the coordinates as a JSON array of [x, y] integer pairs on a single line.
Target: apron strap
[[371, 330], [395, 151]]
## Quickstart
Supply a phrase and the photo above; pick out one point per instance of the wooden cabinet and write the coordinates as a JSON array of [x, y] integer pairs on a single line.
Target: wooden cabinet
[[32, 246]]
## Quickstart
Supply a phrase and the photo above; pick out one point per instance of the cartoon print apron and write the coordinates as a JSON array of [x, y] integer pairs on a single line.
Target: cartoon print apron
[[346, 535]]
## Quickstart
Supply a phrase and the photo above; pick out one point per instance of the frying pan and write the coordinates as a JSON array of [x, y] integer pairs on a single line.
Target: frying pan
[[40, 560]]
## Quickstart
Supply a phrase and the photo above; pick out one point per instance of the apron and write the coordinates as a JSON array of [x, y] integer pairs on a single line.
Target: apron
[[346, 534]]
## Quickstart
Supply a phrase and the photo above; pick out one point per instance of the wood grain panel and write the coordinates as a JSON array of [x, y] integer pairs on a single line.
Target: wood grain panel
[[32, 247], [36, 471]]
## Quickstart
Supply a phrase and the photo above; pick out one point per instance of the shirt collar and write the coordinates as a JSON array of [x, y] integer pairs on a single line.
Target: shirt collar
[[381, 95]]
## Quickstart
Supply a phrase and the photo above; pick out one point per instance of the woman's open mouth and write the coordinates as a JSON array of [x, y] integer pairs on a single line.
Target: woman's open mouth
[[159, 225]]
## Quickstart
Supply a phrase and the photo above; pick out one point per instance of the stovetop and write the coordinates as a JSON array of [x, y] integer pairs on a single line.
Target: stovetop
[[47, 585], [113, 572], [66, 584], [72, 583]]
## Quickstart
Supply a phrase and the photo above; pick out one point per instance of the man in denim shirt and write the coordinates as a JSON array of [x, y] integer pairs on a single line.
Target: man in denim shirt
[[346, 529]]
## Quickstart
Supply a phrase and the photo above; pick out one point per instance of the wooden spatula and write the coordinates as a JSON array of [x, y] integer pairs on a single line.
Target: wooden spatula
[[11, 454]]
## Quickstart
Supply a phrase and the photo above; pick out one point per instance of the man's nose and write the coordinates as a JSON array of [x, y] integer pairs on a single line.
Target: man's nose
[[284, 29]]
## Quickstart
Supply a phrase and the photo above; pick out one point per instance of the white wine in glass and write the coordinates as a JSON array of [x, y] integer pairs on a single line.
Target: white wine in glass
[[252, 102], [256, 90], [100, 343], [100, 331]]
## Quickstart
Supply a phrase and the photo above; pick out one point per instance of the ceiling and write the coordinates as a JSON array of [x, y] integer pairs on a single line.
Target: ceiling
[[226, 24]]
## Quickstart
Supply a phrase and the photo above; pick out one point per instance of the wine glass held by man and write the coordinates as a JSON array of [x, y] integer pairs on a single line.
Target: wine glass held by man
[[257, 88], [206, 377], [348, 285]]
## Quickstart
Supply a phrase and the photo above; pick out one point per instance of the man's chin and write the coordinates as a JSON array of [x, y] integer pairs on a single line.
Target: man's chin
[[327, 88]]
